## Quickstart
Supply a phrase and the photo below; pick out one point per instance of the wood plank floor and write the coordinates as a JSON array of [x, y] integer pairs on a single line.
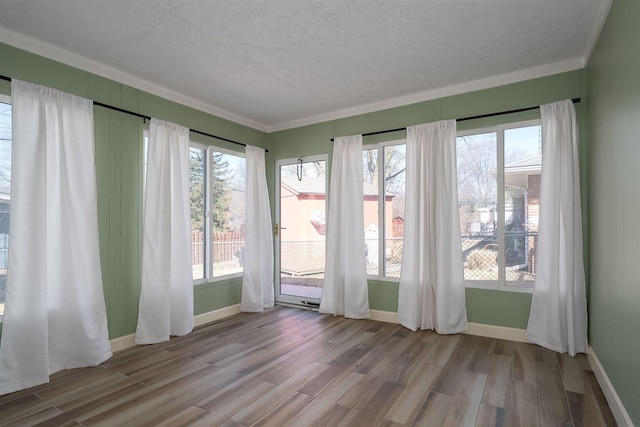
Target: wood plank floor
[[291, 367]]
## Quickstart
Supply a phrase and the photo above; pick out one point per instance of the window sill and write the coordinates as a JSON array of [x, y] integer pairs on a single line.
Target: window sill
[[216, 279], [498, 287], [383, 279]]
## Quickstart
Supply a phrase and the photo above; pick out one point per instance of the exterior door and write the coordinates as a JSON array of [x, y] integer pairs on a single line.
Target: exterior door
[[300, 228]]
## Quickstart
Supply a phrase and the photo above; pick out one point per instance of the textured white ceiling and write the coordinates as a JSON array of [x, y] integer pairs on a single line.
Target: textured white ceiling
[[274, 64]]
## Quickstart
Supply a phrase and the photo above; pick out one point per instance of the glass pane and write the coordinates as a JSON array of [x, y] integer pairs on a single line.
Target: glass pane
[[522, 166], [228, 197], [395, 165], [478, 199], [5, 196], [370, 191], [197, 194], [302, 228]]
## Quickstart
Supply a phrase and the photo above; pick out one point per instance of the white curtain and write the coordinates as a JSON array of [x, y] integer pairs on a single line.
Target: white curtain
[[166, 295], [558, 317], [431, 292], [257, 278], [345, 291], [55, 312]]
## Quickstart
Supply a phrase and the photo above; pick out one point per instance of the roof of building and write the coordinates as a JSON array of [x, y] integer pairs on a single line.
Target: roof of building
[[529, 164]]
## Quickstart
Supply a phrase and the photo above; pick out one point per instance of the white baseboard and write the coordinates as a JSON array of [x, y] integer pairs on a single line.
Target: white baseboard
[[122, 343], [619, 412], [384, 316], [128, 341], [212, 316], [500, 332], [514, 334], [479, 329]]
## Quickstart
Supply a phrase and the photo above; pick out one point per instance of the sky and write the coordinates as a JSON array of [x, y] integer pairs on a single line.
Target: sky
[[525, 139]]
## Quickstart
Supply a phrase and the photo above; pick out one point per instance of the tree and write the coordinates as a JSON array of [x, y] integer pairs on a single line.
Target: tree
[[221, 176], [478, 177], [238, 195], [477, 165], [476, 158], [196, 188], [313, 169], [394, 167], [220, 197]]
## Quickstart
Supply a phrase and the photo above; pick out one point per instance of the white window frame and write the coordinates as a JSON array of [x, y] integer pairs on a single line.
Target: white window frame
[[5, 99], [207, 199], [209, 149], [208, 267], [499, 130], [382, 261]]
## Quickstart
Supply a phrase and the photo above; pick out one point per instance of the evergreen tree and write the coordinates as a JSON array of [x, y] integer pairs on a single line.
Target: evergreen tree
[[220, 180], [220, 194], [196, 188]]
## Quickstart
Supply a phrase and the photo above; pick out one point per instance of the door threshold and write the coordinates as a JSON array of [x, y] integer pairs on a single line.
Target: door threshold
[[306, 305]]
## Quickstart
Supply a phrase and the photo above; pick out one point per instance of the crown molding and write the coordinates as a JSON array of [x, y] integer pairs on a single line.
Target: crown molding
[[58, 54], [598, 23], [55, 53], [472, 86]]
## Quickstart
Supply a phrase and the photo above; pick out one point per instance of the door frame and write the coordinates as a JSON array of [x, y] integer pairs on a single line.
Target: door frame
[[279, 297]]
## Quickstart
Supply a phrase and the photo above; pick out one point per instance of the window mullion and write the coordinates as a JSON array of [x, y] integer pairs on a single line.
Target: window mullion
[[382, 261], [501, 209], [208, 264]]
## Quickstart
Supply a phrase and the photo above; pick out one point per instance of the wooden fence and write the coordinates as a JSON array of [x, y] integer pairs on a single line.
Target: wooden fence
[[226, 246]]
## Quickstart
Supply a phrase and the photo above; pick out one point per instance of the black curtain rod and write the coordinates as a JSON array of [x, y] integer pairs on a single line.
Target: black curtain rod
[[142, 116], [122, 110], [464, 119]]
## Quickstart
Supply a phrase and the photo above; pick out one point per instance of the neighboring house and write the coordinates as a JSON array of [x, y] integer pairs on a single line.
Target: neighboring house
[[522, 209], [303, 222], [522, 181], [398, 226]]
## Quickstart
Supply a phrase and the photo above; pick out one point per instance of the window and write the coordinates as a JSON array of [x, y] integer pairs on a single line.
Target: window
[[5, 193], [498, 194], [218, 196], [217, 193], [384, 222], [197, 193]]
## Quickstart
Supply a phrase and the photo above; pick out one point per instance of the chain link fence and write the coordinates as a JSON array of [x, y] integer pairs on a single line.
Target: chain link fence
[[302, 257], [307, 258], [480, 257]]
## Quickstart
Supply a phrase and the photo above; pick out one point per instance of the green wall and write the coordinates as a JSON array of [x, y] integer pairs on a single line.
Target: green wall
[[613, 131], [119, 170], [118, 139], [483, 306], [614, 121]]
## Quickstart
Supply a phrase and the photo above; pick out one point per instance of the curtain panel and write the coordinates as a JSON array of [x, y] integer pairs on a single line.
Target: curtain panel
[[345, 291], [55, 314], [431, 293], [558, 317], [257, 277], [166, 294]]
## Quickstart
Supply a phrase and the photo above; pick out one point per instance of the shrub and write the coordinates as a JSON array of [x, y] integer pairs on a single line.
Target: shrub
[[482, 259]]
